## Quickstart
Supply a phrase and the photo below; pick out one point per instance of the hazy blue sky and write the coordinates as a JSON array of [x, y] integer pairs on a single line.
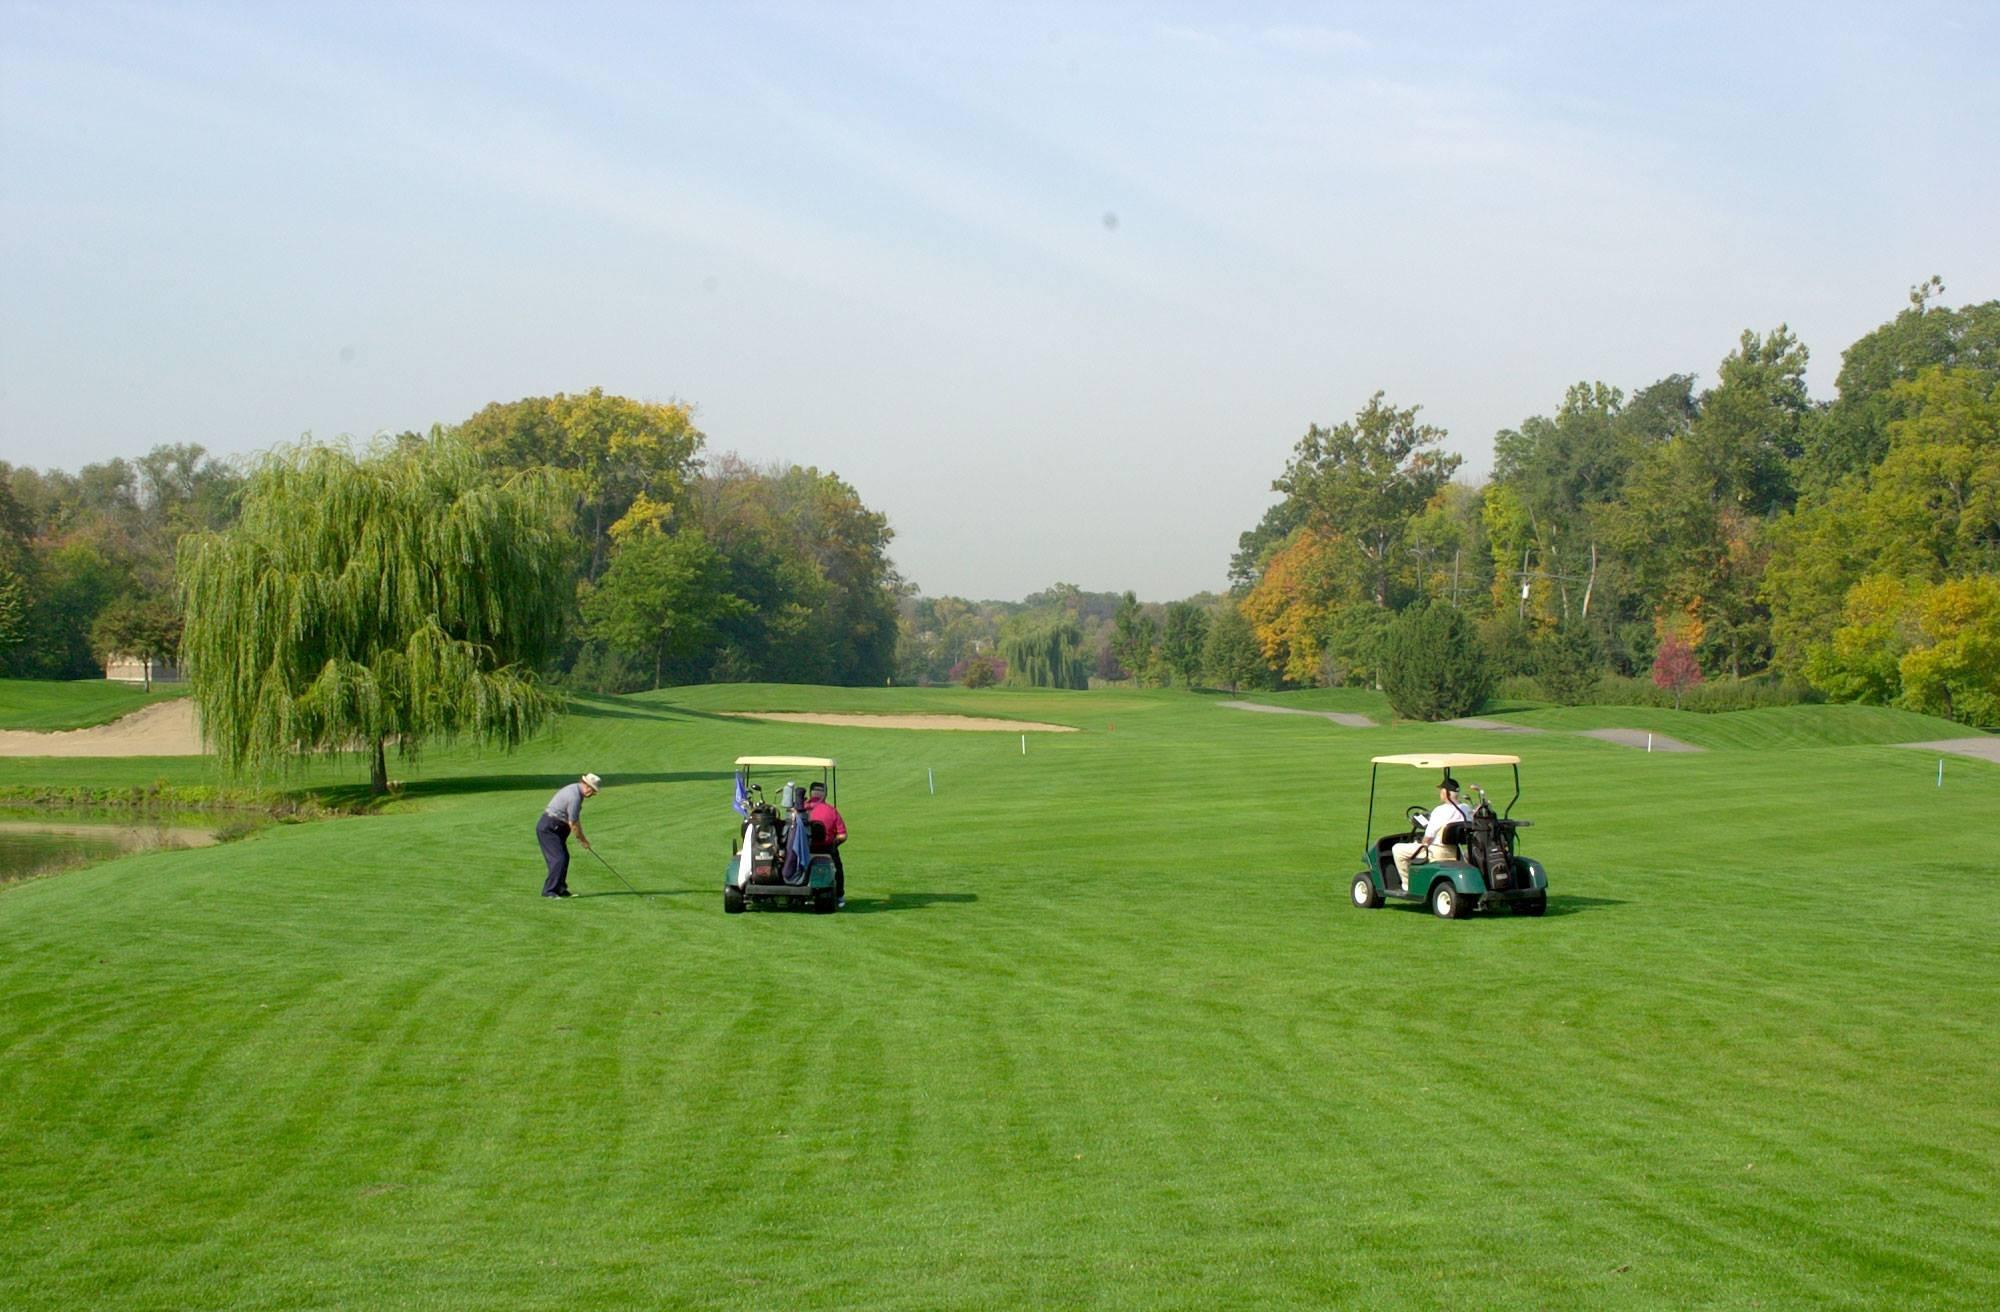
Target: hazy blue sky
[[1055, 287]]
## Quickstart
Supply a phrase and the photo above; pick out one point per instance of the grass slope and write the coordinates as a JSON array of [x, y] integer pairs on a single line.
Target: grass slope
[[1097, 1029], [47, 706]]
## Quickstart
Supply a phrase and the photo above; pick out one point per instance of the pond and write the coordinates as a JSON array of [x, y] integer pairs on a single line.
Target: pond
[[42, 840]]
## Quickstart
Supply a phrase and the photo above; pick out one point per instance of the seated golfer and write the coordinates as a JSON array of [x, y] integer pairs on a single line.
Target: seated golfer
[[1448, 811], [831, 834], [563, 813]]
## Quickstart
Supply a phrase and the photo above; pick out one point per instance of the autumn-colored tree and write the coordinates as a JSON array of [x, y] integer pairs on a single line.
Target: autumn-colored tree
[[1955, 672], [619, 452], [1845, 567], [1675, 669], [1303, 583]]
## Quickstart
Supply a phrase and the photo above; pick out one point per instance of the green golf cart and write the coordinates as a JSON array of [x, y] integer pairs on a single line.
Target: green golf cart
[[770, 860], [1475, 865]]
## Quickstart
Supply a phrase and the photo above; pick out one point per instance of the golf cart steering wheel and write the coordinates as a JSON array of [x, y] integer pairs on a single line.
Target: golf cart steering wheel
[[1417, 817]]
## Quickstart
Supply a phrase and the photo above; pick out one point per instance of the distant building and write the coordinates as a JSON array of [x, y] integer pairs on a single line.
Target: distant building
[[132, 669]]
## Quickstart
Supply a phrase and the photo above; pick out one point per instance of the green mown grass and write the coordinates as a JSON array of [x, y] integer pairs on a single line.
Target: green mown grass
[[48, 706], [1097, 1029]]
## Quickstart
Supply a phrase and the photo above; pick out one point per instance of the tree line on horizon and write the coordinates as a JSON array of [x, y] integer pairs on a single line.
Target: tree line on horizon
[[682, 568], [1627, 545], [1744, 534]]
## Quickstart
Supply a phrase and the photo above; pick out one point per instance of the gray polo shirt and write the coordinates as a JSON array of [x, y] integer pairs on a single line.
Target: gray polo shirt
[[567, 804]]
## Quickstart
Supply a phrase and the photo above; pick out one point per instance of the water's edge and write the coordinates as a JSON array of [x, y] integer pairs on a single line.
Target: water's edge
[[39, 841]]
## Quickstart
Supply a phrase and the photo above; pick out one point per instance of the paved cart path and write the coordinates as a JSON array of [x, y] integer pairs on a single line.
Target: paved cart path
[[1492, 726], [1348, 718]]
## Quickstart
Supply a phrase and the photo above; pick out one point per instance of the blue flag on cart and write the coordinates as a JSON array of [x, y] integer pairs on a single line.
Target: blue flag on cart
[[741, 804]]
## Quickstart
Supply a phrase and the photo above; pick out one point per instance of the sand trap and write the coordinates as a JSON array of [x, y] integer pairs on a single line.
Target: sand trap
[[963, 723], [1985, 749], [1491, 726], [162, 729], [1348, 718], [1638, 738]]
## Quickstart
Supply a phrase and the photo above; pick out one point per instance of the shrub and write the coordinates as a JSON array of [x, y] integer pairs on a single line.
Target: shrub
[[1433, 665], [979, 670]]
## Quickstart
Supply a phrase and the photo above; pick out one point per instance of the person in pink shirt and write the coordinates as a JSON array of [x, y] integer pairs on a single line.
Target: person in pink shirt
[[831, 834]]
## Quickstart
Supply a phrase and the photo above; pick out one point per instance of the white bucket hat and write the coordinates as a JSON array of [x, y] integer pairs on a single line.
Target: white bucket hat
[[593, 781]]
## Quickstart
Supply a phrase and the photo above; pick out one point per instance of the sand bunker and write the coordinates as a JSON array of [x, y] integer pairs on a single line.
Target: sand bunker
[[1986, 749], [970, 723], [162, 729]]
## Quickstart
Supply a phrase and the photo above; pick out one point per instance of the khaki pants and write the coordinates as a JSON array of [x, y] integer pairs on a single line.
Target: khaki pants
[[1405, 852]]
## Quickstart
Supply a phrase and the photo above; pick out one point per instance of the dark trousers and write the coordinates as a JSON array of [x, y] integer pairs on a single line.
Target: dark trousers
[[553, 835], [839, 873]]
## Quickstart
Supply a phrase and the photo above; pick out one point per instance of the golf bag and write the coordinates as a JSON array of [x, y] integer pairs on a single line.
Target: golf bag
[[1487, 848], [766, 846]]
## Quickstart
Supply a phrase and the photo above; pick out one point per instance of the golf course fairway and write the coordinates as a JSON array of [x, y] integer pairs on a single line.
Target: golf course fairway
[[1098, 1028]]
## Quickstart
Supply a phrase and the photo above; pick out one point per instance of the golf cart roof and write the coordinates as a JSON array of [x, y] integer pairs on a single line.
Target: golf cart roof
[[808, 762], [1445, 760]]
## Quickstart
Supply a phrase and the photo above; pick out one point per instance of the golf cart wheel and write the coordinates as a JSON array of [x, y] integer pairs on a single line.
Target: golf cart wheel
[[1365, 895], [1447, 903], [1533, 906], [825, 903], [732, 901]]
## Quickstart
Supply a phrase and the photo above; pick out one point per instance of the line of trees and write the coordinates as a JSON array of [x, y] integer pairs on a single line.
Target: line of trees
[[1745, 531], [1738, 534], [686, 569], [87, 559]]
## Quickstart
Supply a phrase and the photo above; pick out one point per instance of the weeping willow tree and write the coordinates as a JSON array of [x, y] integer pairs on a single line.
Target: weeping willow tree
[[404, 593], [1047, 656]]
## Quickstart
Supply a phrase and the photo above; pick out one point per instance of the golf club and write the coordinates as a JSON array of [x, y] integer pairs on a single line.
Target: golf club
[[614, 871]]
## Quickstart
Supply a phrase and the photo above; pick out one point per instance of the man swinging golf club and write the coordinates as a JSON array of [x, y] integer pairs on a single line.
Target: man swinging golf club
[[563, 813]]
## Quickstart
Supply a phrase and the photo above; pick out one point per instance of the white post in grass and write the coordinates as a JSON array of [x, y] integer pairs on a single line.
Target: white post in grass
[[1649, 742], [1024, 744], [1940, 772], [931, 779]]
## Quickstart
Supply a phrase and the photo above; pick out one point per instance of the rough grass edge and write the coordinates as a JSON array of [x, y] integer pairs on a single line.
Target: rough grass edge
[[175, 797], [1715, 697]]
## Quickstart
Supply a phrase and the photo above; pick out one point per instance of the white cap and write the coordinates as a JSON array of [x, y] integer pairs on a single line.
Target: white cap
[[593, 781]]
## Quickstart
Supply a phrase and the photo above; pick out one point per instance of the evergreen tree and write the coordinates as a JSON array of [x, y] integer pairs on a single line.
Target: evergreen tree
[[1433, 665]]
